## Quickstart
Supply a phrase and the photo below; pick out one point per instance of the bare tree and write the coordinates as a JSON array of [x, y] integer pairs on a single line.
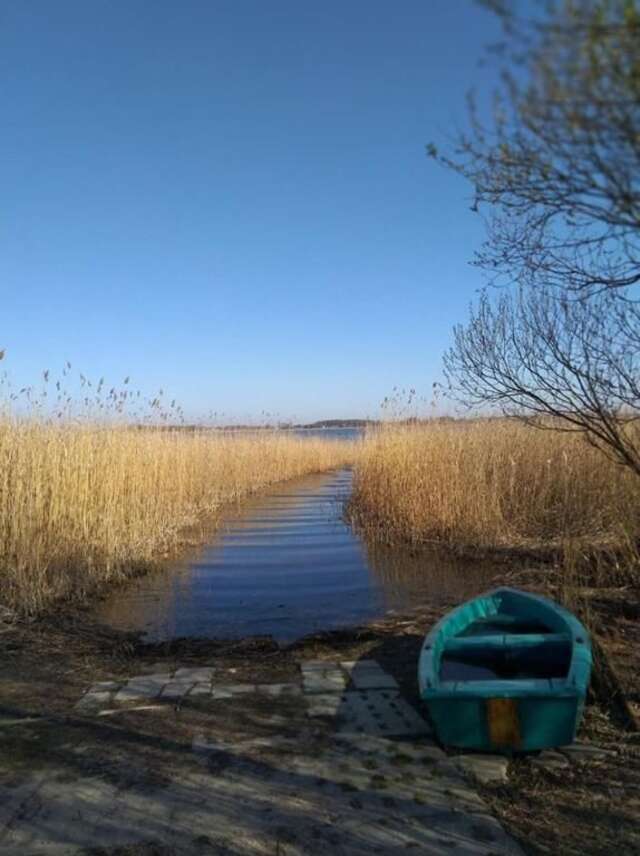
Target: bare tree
[[571, 365], [560, 173]]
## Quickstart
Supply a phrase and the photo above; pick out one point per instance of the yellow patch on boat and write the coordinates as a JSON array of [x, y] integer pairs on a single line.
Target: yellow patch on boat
[[503, 722]]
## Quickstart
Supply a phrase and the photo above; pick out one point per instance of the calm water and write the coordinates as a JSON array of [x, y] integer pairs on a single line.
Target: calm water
[[285, 565], [331, 433]]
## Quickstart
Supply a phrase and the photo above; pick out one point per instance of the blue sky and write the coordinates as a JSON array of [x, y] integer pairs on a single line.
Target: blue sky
[[231, 200]]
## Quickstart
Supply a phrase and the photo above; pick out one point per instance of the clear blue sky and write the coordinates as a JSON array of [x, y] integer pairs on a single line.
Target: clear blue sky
[[231, 199]]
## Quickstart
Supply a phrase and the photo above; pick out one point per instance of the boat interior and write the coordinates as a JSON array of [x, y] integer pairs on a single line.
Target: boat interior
[[503, 646]]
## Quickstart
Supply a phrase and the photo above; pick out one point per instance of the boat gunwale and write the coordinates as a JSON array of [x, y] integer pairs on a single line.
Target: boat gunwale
[[573, 685]]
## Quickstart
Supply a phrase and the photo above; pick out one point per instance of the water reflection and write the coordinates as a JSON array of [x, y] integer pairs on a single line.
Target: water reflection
[[286, 564], [427, 575]]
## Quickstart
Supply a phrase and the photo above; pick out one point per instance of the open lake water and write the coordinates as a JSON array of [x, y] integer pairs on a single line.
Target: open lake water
[[286, 564]]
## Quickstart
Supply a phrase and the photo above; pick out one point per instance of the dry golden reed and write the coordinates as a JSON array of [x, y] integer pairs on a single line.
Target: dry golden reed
[[87, 504], [492, 484]]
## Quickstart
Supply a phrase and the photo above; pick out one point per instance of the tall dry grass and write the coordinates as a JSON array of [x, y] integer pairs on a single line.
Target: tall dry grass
[[82, 505], [493, 484]]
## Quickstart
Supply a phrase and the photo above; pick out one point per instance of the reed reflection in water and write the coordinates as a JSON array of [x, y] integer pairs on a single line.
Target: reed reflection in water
[[417, 576]]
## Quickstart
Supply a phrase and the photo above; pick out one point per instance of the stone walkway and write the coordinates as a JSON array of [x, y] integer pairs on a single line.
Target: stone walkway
[[346, 766]]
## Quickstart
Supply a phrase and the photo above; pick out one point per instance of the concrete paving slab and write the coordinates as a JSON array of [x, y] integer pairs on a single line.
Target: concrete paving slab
[[219, 693], [238, 689], [375, 783], [323, 704], [323, 681], [380, 712], [425, 752], [176, 689], [368, 675], [279, 689], [376, 807], [144, 688], [129, 694], [201, 689], [349, 795], [195, 673], [372, 680], [485, 769], [105, 686], [93, 700]]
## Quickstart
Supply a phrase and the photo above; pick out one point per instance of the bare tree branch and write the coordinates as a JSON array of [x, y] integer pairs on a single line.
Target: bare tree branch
[[559, 166], [569, 364]]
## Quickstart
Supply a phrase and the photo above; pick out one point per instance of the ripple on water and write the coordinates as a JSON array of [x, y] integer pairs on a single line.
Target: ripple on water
[[285, 564]]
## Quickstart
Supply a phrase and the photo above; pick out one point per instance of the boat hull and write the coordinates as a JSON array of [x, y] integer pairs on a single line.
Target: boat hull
[[465, 723]]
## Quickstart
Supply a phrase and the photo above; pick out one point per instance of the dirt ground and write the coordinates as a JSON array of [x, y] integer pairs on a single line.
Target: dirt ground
[[590, 807], [593, 806]]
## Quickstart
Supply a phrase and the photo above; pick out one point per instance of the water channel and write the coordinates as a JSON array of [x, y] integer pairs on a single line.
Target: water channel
[[286, 564]]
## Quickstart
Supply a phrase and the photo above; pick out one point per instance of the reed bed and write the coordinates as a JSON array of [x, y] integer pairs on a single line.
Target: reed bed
[[492, 484], [84, 505]]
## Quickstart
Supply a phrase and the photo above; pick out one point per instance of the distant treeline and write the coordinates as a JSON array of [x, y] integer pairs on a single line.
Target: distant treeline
[[280, 426], [323, 423], [337, 423]]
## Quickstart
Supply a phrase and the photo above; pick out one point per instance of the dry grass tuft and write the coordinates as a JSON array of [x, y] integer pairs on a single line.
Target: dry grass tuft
[[82, 505], [493, 484]]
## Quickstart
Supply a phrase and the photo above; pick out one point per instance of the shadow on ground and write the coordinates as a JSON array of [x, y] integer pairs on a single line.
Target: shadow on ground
[[247, 775]]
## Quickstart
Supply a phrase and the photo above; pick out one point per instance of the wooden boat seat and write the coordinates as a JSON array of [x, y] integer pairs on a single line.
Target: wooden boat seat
[[464, 644], [552, 687], [496, 623]]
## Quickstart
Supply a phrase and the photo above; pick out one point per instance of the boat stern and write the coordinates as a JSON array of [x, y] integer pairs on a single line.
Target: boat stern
[[495, 723]]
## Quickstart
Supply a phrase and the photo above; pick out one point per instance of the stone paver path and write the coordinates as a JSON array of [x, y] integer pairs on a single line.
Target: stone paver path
[[371, 705], [172, 687], [350, 770]]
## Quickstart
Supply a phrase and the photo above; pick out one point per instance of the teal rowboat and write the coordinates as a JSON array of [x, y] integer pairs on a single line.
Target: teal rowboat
[[506, 671]]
